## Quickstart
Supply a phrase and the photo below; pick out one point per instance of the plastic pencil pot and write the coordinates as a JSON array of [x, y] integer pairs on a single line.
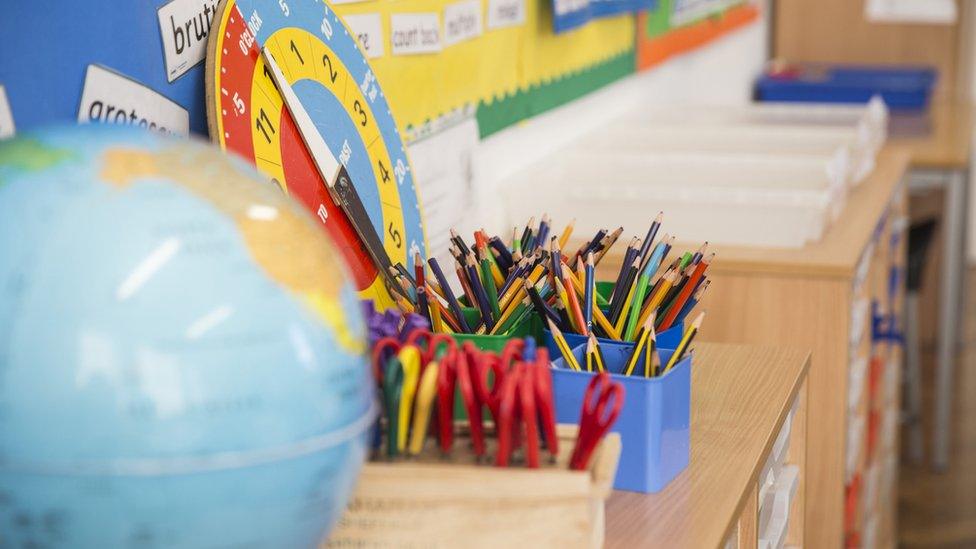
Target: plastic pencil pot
[[653, 424]]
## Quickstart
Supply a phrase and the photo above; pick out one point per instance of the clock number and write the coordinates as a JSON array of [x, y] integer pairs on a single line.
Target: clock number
[[358, 107], [323, 213], [326, 28], [284, 7], [400, 170], [397, 239], [384, 173], [297, 54], [238, 104], [267, 121], [267, 74], [327, 61]]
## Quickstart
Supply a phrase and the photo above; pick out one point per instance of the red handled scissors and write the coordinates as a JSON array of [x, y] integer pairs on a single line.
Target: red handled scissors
[[464, 361], [542, 383], [602, 402]]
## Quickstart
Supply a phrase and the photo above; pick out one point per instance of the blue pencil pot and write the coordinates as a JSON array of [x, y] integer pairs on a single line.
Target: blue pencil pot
[[653, 424], [668, 339]]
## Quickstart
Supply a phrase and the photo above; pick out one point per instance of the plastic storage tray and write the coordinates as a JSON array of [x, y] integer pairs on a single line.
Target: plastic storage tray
[[746, 200], [870, 121], [653, 424], [902, 88]]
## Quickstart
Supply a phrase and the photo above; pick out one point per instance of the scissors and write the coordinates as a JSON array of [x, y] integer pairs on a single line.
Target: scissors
[[544, 401], [432, 346], [464, 359], [384, 349], [527, 407], [446, 381], [409, 358], [423, 403], [602, 402], [506, 422], [392, 386]]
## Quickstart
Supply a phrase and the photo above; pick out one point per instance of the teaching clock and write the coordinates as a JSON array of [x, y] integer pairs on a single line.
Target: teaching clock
[[290, 90]]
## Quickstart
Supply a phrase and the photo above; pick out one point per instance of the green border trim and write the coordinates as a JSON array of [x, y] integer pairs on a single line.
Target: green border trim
[[503, 112]]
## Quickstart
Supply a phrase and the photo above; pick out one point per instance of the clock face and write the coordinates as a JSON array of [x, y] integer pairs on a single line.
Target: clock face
[[322, 62]]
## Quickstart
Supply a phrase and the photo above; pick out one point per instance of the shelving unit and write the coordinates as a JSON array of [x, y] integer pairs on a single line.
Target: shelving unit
[[749, 420], [818, 298]]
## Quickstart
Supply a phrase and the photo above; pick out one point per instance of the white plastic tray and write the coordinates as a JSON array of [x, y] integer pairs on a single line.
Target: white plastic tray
[[761, 200]]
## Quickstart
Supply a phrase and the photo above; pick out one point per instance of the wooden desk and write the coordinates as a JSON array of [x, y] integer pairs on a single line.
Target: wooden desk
[[818, 298], [741, 396]]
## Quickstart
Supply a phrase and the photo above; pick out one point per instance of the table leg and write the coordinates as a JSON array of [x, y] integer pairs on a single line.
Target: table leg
[[949, 315]]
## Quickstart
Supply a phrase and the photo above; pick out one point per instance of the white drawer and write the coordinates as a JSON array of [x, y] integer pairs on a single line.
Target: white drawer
[[856, 378], [774, 511], [855, 441]]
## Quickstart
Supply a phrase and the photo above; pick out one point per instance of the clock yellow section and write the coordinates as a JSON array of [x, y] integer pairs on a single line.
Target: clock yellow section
[[303, 56]]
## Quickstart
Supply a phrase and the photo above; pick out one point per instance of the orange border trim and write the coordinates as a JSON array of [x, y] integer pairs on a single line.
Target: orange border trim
[[654, 51]]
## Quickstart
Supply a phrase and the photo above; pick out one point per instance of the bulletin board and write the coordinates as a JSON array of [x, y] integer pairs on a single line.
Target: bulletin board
[[501, 76], [660, 35]]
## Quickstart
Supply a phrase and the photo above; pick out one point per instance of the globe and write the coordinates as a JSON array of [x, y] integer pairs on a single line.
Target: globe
[[181, 350]]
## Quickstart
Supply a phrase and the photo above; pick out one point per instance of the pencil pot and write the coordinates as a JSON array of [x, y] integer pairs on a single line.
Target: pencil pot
[[654, 421], [668, 339], [531, 325]]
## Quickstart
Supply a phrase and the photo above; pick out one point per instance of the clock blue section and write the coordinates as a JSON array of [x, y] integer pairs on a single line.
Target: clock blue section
[[46, 47]]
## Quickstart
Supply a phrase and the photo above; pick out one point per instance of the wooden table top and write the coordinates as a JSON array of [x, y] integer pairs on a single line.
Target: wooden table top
[[741, 395], [949, 145]]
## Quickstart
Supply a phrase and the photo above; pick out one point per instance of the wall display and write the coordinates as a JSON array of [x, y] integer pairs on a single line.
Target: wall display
[[154, 44], [507, 67], [288, 73], [671, 29]]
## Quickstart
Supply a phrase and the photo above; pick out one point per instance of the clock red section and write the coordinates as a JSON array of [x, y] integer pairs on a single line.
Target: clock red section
[[305, 185]]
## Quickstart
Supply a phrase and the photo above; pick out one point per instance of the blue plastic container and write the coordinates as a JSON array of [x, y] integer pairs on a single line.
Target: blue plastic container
[[668, 339], [653, 424], [902, 88]]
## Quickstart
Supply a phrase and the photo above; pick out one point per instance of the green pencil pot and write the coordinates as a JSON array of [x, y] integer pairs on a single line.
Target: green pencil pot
[[531, 325]]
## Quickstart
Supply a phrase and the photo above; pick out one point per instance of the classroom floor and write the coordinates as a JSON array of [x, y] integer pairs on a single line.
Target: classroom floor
[[939, 509]]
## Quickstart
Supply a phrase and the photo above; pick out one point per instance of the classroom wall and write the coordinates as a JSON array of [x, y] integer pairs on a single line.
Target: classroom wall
[[459, 192]]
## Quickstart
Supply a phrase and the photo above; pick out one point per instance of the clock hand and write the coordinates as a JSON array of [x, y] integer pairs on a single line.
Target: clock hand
[[334, 174]]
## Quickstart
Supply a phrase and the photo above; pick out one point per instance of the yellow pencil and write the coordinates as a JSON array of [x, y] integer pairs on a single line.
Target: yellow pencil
[[564, 237], [563, 346], [686, 339]]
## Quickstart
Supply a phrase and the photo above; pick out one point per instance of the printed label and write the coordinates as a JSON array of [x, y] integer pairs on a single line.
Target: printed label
[[368, 28], [184, 26], [505, 13], [412, 33], [116, 99], [462, 21], [7, 128]]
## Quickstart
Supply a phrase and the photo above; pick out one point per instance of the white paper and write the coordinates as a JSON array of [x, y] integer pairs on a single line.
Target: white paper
[[7, 128], [441, 164], [564, 7], [941, 12], [116, 99], [413, 33], [368, 28], [462, 21], [505, 13], [184, 26]]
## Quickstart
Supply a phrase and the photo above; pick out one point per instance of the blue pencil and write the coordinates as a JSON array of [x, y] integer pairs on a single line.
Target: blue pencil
[[452, 301]]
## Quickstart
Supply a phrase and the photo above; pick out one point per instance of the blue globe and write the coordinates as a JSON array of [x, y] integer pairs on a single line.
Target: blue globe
[[182, 353]]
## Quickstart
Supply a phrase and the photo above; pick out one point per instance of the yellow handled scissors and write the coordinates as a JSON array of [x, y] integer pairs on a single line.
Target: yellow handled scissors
[[410, 360], [426, 392]]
